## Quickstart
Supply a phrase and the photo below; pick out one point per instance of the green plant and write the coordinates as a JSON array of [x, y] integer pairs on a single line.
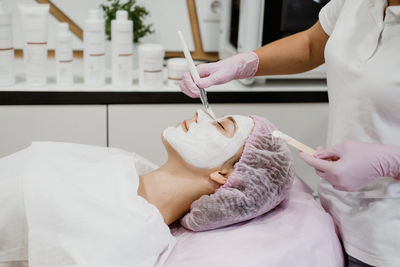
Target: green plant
[[135, 13]]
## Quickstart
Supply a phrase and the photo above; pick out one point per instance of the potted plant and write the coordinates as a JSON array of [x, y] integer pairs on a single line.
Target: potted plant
[[135, 13]]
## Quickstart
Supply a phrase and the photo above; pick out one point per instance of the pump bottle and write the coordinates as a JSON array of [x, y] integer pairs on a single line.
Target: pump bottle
[[64, 56], [7, 76], [121, 46], [94, 49]]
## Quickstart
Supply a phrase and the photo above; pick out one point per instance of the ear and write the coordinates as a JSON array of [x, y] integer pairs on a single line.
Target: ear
[[219, 177]]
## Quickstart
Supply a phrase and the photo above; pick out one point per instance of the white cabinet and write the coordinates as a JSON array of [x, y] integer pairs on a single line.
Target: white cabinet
[[20, 125], [138, 127]]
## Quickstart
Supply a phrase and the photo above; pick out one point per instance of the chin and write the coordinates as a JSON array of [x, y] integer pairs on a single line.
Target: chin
[[170, 150], [165, 143]]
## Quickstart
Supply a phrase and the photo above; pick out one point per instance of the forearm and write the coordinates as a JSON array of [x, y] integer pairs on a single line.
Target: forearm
[[293, 54]]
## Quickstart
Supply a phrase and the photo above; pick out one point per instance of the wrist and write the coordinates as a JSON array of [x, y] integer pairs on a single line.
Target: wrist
[[390, 161], [247, 65]]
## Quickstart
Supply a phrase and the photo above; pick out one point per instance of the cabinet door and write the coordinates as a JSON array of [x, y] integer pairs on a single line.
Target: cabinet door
[[138, 128], [20, 125]]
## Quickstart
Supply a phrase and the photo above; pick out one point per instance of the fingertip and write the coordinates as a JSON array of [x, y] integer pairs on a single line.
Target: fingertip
[[194, 95], [202, 84]]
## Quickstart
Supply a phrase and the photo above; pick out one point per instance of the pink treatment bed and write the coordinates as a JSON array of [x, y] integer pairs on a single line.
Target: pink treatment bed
[[296, 233]]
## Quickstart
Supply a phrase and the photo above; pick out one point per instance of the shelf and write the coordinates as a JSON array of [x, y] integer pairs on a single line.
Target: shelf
[[84, 98], [273, 91]]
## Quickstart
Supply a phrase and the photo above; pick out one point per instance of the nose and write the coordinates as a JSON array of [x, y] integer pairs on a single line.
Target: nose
[[201, 116]]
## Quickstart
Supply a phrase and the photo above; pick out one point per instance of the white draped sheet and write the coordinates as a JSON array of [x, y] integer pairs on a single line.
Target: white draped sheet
[[77, 205]]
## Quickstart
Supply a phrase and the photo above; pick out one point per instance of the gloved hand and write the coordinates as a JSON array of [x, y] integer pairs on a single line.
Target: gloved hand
[[354, 164], [240, 66]]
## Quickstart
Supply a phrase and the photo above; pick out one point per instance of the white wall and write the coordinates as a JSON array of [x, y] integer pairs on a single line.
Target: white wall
[[21, 125], [168, 16]]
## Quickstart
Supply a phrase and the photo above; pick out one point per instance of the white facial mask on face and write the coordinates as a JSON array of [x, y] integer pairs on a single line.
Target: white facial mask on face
[[203, 146]]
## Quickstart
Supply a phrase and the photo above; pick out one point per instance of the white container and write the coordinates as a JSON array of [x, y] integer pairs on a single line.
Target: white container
[[34, 23], [176, 69], [94, 49], [7, 75], [121, 47], [64, 56], [151, 66]]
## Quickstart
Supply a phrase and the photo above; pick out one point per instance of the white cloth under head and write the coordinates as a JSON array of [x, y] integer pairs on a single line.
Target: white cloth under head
[[81, 209], [363, 69]]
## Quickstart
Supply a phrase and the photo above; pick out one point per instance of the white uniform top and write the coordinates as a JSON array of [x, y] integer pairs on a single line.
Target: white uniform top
[[362, 58]]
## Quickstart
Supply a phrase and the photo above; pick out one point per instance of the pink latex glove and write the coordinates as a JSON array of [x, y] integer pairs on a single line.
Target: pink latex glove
[[240, 66], [354, 164]]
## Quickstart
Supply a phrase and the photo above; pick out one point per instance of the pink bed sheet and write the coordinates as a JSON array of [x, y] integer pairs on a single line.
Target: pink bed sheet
[[297, 233]]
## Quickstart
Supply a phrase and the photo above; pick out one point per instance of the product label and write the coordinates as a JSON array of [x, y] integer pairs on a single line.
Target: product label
[[35, 56], [122, 42], [64, 72], [6, 68], [94, 42], [5, 36], [152, 79], [94, 70], [64, 51], [174, 81], [122, 70]]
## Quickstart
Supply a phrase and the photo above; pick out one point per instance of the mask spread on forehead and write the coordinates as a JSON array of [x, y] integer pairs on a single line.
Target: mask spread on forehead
[[203, 146]]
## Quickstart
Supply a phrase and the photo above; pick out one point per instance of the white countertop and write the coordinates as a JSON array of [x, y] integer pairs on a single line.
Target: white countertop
[[272, 85]]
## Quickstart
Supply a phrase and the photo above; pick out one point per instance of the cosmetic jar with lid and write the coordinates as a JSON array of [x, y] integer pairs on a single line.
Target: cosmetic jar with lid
[[176, 69], [151, 58]]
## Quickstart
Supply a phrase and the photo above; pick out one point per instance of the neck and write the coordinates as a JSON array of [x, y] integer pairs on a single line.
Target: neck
[[393, 2], [173, 188]]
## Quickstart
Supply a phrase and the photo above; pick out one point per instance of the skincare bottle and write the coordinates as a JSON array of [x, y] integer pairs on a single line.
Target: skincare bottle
[[94, 49], [64, 55], [7, 76], [151, 66], [34, 23], [176, 68], [121, 46]]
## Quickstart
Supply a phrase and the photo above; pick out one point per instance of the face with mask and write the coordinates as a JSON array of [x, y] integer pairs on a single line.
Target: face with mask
[[205, 143]]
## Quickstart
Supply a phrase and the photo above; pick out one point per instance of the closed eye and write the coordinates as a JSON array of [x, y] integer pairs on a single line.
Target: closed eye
[[220, 124]]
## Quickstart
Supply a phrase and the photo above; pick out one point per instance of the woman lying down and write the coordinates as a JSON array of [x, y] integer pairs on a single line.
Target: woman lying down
[[76, 205]]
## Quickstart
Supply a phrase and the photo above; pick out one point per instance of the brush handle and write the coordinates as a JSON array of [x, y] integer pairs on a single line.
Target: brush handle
[[186, 52], [300, 146]]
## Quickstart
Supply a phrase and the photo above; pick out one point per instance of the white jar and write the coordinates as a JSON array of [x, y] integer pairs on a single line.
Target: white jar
[[176, 68], [151, 66]]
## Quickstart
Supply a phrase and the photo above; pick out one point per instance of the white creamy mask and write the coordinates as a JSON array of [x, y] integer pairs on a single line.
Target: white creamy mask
[[203, 146]]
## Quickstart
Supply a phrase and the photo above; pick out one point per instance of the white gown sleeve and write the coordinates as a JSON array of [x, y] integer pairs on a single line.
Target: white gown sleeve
[[329, 14]]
